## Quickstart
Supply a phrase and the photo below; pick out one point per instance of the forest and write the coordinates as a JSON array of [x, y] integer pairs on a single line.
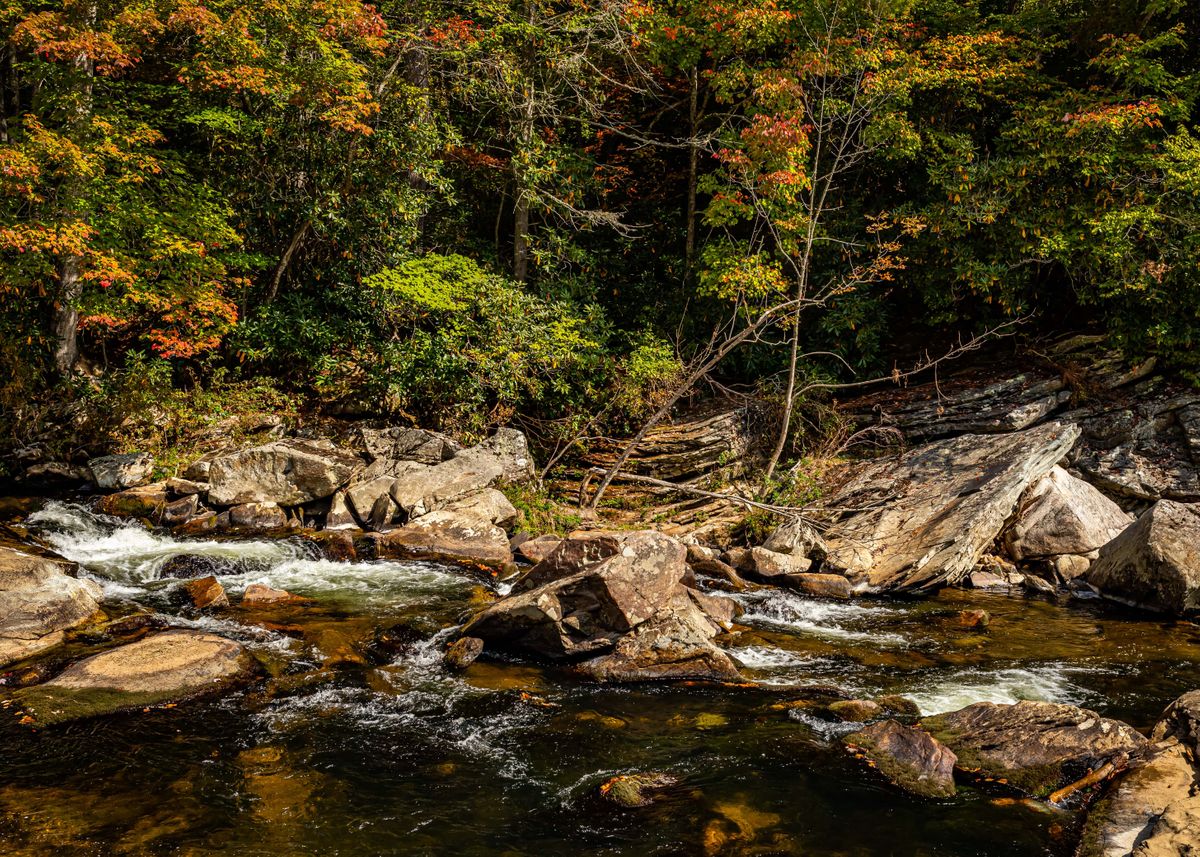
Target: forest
[[464, 213]]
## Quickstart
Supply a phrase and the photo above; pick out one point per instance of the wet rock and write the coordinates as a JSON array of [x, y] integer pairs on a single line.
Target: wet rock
[[1129, 820], [206, 592], [716, 570], [929, 514], [855, 710], [443, 535], [188, 565], [1063, 515], [336, 545], [462, 652], [911, 758], [820, 585], [1034, 746], [257, 516], [145, 501], [537, 549], [118, 472], [633, 790], [896, 704], [179, 511], [167, 667], [261, 595], [628, 609], [57, 473], [572, 555], [285, 472], [974, 619], [206, 522], [39, 601], [1155, 563]]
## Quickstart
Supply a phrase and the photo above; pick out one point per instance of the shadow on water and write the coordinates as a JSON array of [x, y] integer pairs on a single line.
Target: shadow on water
[[387, 753]]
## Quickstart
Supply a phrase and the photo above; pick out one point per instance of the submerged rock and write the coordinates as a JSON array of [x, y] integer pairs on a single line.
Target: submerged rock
[[1034, 746], [1063, 515], [166, 667], [261, 595], [911, 758], [189, 565], [1155, 563], [462, 652], [929, 514], [286, 472], [626, 612], [38, 602], [633, 790]]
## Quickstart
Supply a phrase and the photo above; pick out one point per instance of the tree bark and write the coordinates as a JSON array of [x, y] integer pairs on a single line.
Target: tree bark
[[693, 169], [521, 236], [286, 259]]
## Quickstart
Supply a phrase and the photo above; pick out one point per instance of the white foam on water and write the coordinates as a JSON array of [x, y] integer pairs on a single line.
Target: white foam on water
[[1042, 683], [778, 608], [127, 558]]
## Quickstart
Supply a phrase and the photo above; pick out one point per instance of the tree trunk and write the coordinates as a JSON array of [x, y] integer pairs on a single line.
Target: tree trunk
[[693, 168], [521, 236]]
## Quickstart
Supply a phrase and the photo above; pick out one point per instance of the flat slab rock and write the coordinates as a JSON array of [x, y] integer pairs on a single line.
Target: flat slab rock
[[1035, 746], [911, 758], [38, 602], [929, 514], [286, 472], [167, 667]]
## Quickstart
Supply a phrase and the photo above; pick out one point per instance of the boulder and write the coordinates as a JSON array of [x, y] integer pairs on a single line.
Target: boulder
[[339, 517], [537, 549], [166, 667], [1154, 807], [855, 710], [770, 567], [1155, 563], [572, 555], [286, 472], [186, 566], [487, 506], [1060, 514], [180, 511], [820, 585], [462, 652], [258, 516], [205, 592], [117, 472], [401, 444], [144, 501], [184, 487], [511, 450], [926, 517], [798, 538], [1034, 746], [443, 535], [911, 758], [626, 612], [38, 602], [428, 489], [715, 569], [57, 473], [371, 502]]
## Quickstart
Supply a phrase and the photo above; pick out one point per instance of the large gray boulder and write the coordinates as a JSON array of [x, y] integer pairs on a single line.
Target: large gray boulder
[[468, 530], [167, 667], [400, 444], [1155, 563], [1063, 515], [117, 472], [511, 449], [924, 518], [428, 489], [287, 472], [1035, 746], [38, 602], [626, 616]]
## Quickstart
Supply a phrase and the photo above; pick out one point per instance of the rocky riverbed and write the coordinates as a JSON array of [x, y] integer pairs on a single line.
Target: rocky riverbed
[[336, 645]]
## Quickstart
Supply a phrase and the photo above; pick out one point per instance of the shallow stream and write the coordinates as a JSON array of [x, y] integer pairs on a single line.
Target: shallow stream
[[398, 756]]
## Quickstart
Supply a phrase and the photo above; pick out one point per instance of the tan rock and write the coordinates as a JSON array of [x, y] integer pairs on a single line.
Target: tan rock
[[206, 592], [38, 602]]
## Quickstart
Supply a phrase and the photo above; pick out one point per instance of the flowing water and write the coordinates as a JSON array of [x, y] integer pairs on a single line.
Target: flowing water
[[398, 756]]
